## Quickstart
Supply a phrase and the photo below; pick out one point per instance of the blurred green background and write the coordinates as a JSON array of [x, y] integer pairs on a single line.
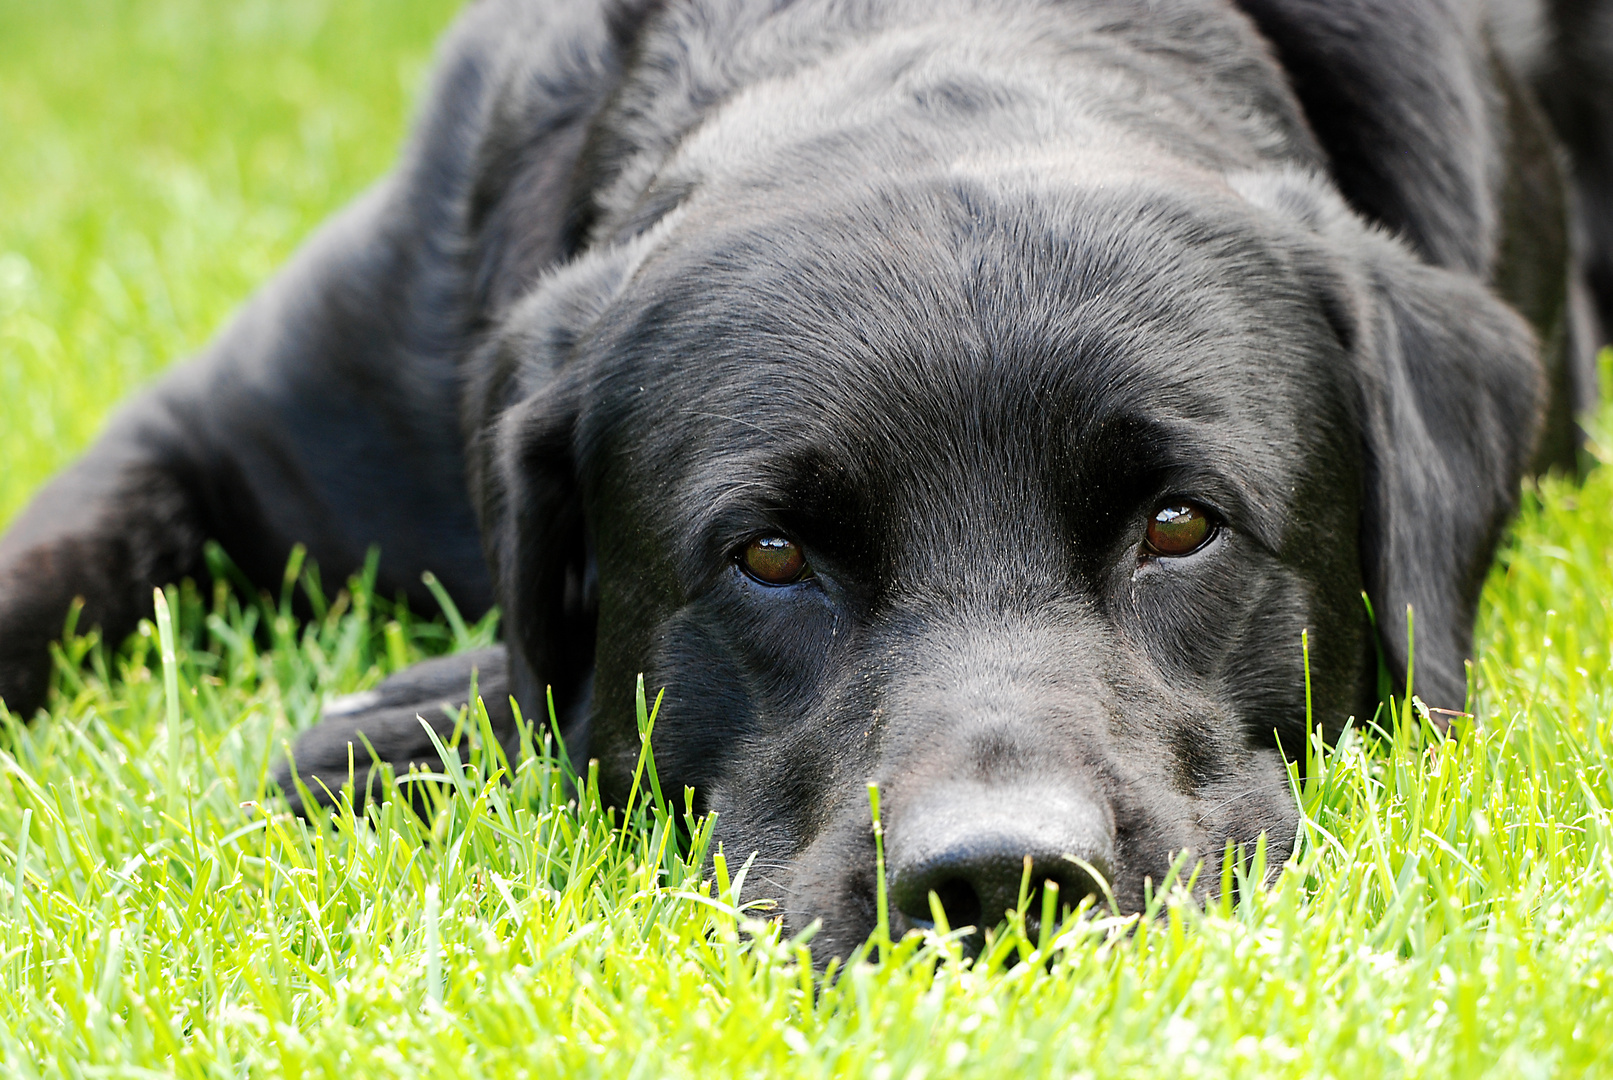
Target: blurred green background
[[158, 160]]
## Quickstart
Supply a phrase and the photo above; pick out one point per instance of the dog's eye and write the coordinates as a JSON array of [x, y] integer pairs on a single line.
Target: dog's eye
[[1178, 529], [773, 560]]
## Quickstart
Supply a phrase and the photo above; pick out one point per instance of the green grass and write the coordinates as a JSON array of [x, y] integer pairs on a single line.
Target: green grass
[[1449, 912]]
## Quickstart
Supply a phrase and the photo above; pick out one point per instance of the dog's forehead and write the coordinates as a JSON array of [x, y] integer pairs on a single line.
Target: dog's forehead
[[923, 332]]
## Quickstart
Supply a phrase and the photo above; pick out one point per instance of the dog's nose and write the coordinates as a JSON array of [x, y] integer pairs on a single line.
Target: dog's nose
[[971, 854]]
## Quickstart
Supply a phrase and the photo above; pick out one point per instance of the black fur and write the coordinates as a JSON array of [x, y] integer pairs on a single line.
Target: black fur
[[954, 293]]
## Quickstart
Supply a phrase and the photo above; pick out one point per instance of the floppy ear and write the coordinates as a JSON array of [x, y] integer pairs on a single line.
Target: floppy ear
[[520, 404], [1450, 399], [1451, 391], [522, 410]]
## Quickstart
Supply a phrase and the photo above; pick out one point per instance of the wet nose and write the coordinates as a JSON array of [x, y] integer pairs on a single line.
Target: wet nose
[[971, 852]]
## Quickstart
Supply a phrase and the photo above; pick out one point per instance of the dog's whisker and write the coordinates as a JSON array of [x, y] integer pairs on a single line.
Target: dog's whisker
[[1222, 804], [730, 419]]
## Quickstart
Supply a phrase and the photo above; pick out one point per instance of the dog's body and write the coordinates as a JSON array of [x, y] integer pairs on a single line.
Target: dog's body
[[957, 300]]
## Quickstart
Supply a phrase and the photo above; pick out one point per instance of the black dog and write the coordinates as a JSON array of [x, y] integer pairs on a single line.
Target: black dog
[[975, 396]]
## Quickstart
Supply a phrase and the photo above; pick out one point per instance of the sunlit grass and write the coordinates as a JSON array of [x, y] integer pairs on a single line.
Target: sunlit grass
[[1448, 913]]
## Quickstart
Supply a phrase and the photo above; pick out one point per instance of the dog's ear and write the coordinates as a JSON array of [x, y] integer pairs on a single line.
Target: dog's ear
[[1450, 398], [522, 409]]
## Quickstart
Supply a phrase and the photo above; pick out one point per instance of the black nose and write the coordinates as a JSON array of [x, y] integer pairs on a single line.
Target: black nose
[[971, 852]]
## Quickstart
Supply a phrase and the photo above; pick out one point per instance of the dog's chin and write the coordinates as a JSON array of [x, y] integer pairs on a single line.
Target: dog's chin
[[831, 891], [840, 914]]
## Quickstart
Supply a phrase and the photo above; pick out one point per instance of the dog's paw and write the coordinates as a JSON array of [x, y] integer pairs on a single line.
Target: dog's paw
[[30, 620], [24, 678], [391, 721]]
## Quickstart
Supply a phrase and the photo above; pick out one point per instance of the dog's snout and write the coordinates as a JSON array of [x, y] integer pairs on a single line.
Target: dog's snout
[[971, 855]]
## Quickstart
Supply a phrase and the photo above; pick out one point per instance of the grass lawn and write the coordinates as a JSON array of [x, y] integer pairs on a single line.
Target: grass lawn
[[1449, 912]]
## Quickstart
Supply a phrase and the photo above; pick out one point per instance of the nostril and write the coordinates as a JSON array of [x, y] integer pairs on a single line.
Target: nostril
[[964, 901], [1074, 881], [1073, 884], [959, 902], [978, 884], [982, 853]]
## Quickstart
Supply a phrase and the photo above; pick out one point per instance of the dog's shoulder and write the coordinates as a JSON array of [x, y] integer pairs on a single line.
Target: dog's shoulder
[[1401, 94], [487, 177]]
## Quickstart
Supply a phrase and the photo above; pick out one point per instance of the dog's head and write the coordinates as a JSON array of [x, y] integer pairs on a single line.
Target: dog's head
[[1014, 500]]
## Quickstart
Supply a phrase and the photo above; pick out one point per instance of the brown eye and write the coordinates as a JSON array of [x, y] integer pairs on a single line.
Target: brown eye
[[1180, 529], [773, 560]]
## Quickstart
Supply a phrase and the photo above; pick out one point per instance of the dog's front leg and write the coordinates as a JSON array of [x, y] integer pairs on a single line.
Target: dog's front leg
[[124, 519], [388, 725]]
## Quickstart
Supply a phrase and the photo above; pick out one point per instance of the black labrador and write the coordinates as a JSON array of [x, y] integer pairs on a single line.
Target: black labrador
[[979, 397]]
